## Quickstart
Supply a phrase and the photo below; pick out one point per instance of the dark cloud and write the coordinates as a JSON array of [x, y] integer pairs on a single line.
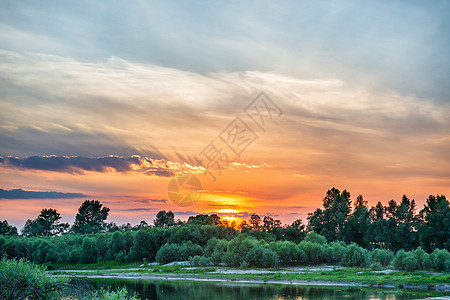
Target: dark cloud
[[78, 164], [139, 209], [223, 205], [22, 194], [160, 172], [186, 213], [150, 200]]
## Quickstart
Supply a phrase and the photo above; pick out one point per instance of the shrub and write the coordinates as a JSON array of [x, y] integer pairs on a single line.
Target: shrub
[[383, 257], [261, 257], [200, 261], [410, 262], [376, 267], [237, 249], [355, 256], [423, 259], [314, 237], [288, 252], [24, 280], [313, 252], [119, 294], [398, 260], [441, 260], [216, 250], [172, 252], [335, 252]]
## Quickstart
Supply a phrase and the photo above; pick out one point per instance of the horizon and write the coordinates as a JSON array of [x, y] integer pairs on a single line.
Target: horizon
[[263, 108]]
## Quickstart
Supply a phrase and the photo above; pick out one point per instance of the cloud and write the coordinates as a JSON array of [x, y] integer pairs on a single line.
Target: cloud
[[79, 164], [23, 194], [186, 213], [222, 205], [139, 209]]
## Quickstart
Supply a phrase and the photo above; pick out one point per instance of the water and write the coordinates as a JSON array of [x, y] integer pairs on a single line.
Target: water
[[186, 290]]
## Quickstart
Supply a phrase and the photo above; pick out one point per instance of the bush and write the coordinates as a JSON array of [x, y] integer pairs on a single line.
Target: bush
[[383, 257], [410, 262], [24, 280], [441, 260], [313, 252], [376, 267], [423, 259], [335, 252], [355, 256], [172, 252], [119, 294], [288, 252], [398, 260], [315, 238], [237, 249], [200, 261], [216, 250], [261, 257]]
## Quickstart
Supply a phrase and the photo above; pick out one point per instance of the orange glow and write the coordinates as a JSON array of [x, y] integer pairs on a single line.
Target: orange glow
[[228, 211]]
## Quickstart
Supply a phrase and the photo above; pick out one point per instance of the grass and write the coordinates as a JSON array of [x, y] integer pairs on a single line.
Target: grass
[[347, 275]]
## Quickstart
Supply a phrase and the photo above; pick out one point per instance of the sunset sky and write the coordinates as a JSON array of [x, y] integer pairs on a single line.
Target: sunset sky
[[111, 100]]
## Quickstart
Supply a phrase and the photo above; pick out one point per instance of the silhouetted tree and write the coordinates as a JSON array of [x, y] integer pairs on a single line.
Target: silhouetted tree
[[90, 218], [255, 222], [7, 229], [433, 228], [46, 224], [164, 219], [356, 228], [330, 221]]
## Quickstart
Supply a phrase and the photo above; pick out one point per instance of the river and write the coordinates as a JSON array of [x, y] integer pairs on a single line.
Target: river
[[187, 290]]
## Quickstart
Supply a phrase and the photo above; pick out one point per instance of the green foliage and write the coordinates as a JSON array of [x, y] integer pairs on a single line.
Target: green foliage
[[46, 224], [315, 238], [376, 267], [90, 218], [119, 294], [314, 253], [175, 252], [398, 260], [164, 219], [383, 257], [200, 261], [355, 256], [441, 261], [6, 229], [23, 280], [261, 257]]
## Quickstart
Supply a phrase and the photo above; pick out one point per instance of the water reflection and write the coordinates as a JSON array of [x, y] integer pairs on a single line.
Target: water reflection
[[186, 290]]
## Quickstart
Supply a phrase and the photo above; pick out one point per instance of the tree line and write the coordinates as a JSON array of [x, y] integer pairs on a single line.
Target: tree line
[[335, 230]]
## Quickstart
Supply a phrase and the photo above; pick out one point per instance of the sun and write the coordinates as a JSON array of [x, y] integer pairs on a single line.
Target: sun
[[228, 211]]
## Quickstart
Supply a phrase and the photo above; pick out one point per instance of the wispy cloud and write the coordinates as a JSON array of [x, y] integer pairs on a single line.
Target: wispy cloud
[[78, 164]]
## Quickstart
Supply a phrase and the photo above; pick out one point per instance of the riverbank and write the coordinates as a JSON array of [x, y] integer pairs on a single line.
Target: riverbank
[[320, 276]]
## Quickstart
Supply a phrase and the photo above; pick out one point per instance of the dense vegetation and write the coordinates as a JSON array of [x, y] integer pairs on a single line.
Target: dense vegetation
[[23, 280], [336, 234], [20, 279]]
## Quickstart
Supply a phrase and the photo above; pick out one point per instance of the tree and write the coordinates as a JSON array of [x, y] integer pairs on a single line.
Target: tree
[[434, 224], [90, 218], [164, 219], [255, 222], [268, 223], [7, 229], [358, 223], [330, 221], [46, 224], [296, 232]]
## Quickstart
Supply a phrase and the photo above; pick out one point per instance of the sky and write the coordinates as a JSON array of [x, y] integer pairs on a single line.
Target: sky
[[237, 107]]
